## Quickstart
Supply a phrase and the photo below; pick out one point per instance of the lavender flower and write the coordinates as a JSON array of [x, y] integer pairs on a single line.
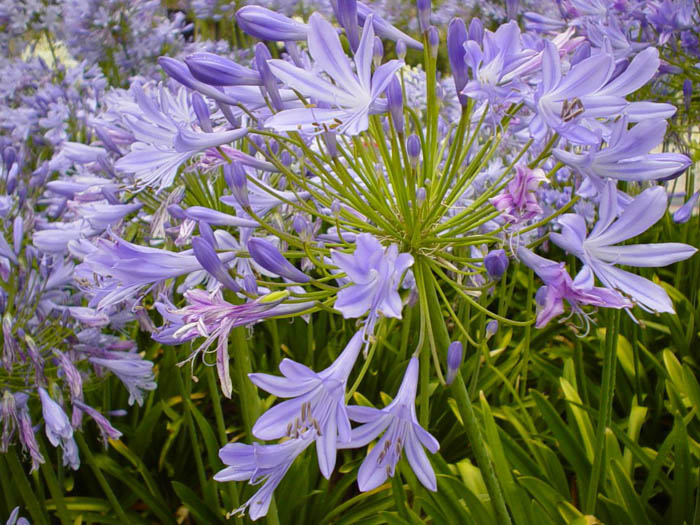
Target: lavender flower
[[559, 287], [58, 429], [257, 463], [518, 202], [375, 273], [598, 252], [351, 98], [134, 372], [403, 432], [318, 403]]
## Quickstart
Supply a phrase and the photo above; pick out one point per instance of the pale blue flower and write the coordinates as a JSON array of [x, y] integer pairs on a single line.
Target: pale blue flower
[[401, 431]]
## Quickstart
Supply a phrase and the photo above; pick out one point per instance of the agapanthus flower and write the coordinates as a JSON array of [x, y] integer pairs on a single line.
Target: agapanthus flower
[[401, 430], [518, 201], [559, 287], [58, 429], [627, 156], [599, 251], [134, 372], [210, 316], [374, 273], [318, 403], [261, 463], [683, 214], [349, 99]]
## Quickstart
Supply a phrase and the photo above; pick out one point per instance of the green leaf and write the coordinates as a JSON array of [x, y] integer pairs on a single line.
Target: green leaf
[[195, 505]]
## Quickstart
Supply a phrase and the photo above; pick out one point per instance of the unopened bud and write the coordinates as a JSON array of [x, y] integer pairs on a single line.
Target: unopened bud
[[413, 147], [496, 263], [454, 361]]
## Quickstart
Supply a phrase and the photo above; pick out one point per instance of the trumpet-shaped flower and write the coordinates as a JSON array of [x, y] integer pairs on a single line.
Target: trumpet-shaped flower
[[318, 403], [257, 463], [599, 251], [518, 202], [349, 99], [375, 273], [403, 432], [559, 287]]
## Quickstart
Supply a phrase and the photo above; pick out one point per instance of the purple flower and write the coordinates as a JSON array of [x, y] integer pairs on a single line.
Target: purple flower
[[375, 273], [106, 428], [165, 138], [599, 252], [559, 287], [257, 463], [134, 372], [58, 429], [351, 97], [15, 519], [210, 316], [589, 91], [518, 202], [318, 403], [403, 432], [627, 156]]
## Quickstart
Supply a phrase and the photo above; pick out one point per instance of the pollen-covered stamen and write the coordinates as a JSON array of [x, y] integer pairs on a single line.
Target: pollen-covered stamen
[[571, 110]]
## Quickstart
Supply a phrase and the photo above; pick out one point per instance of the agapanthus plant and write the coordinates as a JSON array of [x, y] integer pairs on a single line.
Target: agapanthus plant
[[327, 178]]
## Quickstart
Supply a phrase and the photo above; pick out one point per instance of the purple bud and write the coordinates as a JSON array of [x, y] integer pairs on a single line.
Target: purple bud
[[302, 226], [17, 233], [179, 72], [176, 211], [268, 256], [433, 41], [491, 329], [496, 263], [9, 156], [329, 138], [401, 49], [71, 374], [346, 13], [413, 147], [206, 233], [512, 7], [666, 68], [377, 51], [237, 181], [687, 93], [106, 139], [268, 25], [582, 52], [201, 111], [395, 99], [218, 218], [456, 38], [423, 14], [216, 70], [683, 214], [454, 361], [207, 257], [262, 55], [420, 195]]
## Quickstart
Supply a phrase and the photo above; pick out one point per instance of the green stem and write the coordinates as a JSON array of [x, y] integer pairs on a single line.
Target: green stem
[[250, 403], [85, 451], [471, 426], [199, 463], [221, 429], [605, 411], [19, 478], [54, 487]]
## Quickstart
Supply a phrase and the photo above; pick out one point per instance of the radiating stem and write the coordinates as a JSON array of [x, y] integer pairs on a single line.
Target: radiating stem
[[605, 410], [471, 426]]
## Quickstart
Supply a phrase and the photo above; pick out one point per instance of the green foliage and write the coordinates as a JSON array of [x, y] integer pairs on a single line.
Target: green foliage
[[557, 454]]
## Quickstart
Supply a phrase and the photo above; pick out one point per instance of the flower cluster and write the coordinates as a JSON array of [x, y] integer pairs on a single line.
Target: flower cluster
[[224, 189]]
